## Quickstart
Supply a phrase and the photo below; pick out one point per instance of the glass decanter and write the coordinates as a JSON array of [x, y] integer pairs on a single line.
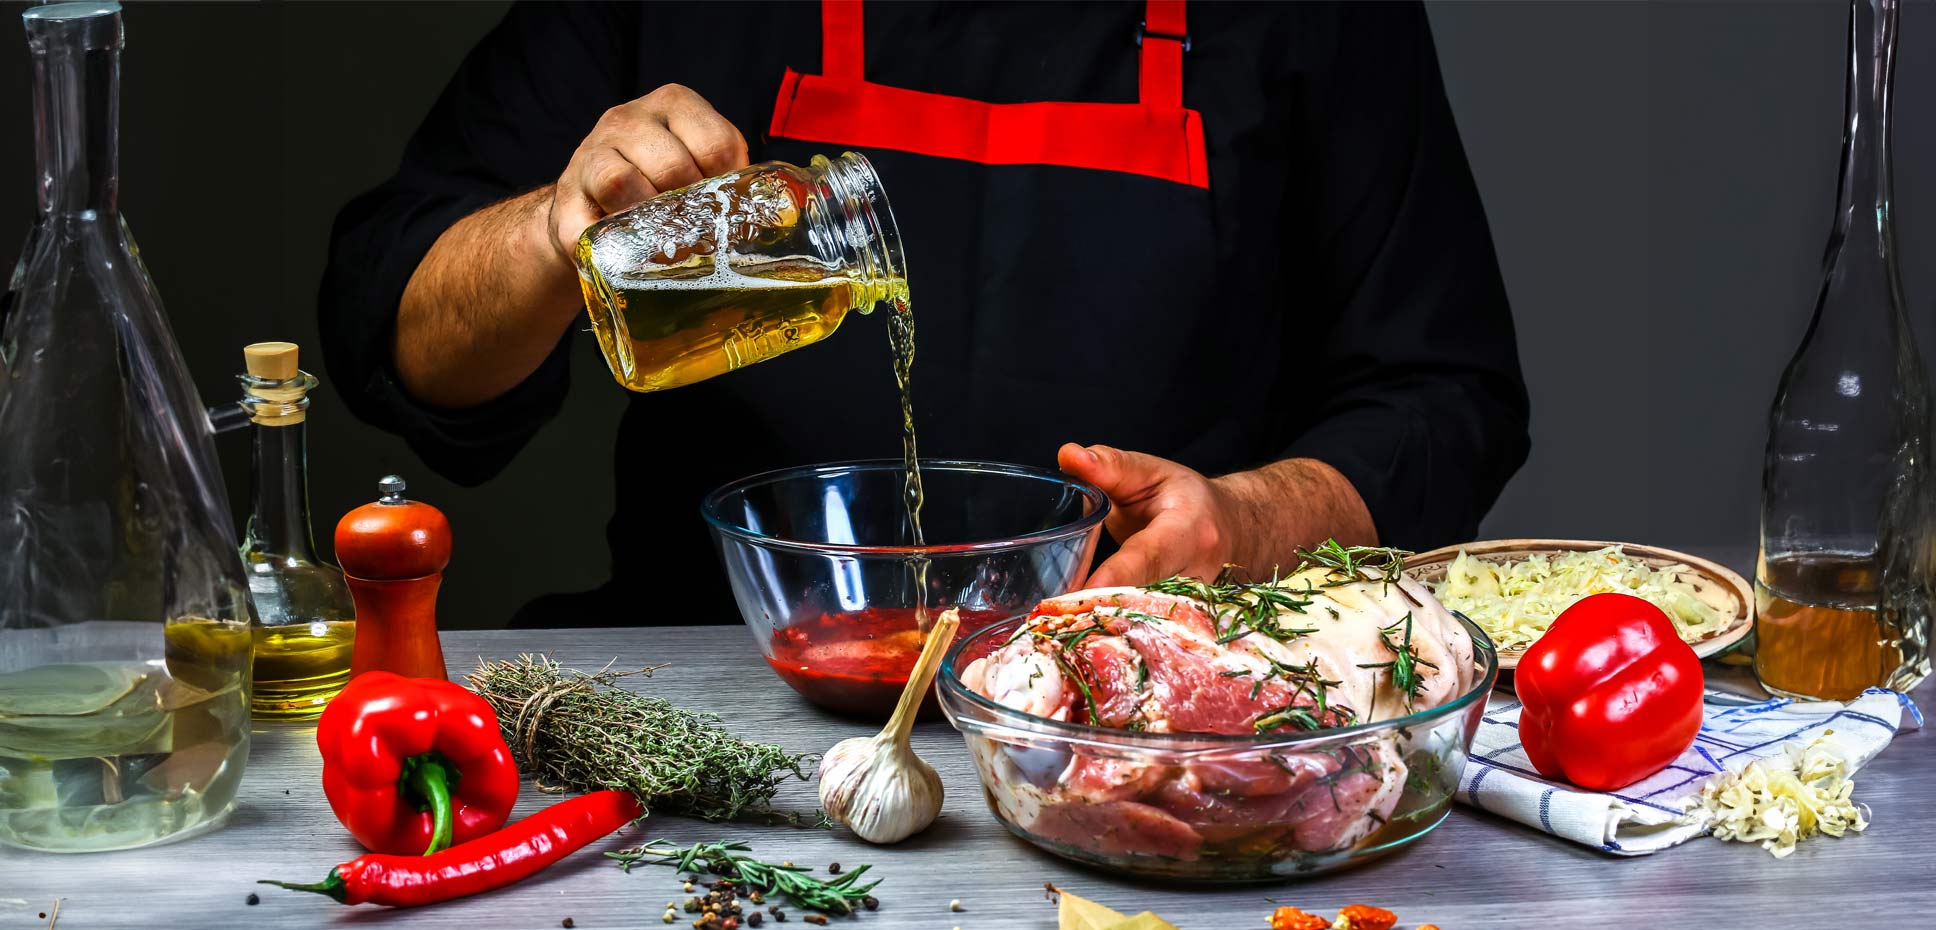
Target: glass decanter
[[1843, 580], [124, 617], [307, 620]]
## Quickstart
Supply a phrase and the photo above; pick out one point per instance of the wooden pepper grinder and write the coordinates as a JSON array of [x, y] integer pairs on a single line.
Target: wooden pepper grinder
[[393, 554]]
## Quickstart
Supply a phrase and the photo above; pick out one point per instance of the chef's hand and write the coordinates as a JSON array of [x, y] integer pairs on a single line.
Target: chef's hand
[[1172, 520], [664, 140]]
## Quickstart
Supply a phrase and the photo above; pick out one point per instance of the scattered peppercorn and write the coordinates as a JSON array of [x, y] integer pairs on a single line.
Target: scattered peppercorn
[[732, 923], [754, 919], [756, 897], [568, 924], [252, 900], [833, 869], [870, 902], [1290, 918], [671, 915], [1366, 917], [1428, 927], [955, 905]]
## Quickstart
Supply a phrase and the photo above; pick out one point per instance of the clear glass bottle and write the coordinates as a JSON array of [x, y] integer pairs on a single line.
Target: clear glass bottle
[[803, 247], [307, 622], [1843, 580], [124, 617]]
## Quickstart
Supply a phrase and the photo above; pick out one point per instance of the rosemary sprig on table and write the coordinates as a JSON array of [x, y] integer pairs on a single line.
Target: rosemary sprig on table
[[836, 896], [569, 729]]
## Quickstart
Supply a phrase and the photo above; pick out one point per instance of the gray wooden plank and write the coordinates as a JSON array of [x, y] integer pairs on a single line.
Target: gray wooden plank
[[1474, 871]]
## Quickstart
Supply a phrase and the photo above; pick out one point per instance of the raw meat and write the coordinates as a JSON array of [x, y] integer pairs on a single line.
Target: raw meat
[[1136, 659]]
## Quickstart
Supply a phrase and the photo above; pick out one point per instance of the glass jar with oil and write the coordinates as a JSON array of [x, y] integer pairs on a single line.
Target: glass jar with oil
[[306, 617], [1848, 501], [737, 269]]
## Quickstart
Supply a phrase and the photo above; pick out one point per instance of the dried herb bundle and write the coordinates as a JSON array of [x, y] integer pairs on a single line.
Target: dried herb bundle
[[573, 730]]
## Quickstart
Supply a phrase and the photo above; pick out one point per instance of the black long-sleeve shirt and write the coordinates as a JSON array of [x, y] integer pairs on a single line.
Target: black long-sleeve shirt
[[1332, 294]]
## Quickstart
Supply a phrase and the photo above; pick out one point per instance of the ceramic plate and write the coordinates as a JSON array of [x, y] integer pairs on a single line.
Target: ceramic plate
[[1726, 591]]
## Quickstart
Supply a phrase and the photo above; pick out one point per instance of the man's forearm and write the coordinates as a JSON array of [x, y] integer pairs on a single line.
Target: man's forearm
[[1290, 505], [485, 306]]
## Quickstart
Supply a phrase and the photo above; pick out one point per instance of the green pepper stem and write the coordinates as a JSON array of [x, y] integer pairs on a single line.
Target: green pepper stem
[[332, 886], [430, 779]]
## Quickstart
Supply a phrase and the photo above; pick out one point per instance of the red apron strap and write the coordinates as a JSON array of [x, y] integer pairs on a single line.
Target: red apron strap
[[1163, 38], [842, 48]]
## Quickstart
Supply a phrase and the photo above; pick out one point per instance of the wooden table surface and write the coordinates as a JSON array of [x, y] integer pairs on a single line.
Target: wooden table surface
[[1474, 871]]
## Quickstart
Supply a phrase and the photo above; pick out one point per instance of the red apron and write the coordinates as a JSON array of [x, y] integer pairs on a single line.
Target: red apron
[[1156, 137]]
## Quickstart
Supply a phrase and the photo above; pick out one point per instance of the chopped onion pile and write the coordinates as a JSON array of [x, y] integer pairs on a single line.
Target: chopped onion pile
[[1514, 602], [1781, 801]]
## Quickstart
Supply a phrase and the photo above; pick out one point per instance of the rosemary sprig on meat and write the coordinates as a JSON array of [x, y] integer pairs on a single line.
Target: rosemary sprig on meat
[[1308, 708], [1348, 564], [1239, 608], [1405, 661], [836, 896]]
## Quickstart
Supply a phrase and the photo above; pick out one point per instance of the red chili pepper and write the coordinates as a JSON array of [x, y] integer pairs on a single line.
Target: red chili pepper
[[483, 864], [1611, 693], [412, 765]]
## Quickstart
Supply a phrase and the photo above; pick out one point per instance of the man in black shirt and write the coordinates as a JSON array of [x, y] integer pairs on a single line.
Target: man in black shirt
[[1242, 241]]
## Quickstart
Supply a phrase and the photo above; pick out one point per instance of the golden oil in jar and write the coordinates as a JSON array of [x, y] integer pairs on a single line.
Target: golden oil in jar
[[1818, 633]]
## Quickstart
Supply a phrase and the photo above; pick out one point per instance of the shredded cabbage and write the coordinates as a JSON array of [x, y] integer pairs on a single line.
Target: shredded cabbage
[[1514, 602]]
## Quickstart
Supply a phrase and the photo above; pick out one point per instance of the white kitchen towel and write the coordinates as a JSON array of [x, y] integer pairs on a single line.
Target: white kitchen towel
[[1649, 816]]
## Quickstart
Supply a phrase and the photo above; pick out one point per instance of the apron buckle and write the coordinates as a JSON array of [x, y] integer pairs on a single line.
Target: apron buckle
[[1142, 29]]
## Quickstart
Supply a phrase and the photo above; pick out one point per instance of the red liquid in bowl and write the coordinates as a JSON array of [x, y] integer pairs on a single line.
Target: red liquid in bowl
[[859, 662]]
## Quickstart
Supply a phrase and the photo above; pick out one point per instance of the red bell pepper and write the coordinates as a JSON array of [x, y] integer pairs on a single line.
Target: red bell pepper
[[1611, 693], [413, 765]]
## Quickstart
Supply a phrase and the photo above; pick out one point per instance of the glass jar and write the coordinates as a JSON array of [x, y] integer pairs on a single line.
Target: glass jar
[[1843, 580], [124, 617], [802, 248]]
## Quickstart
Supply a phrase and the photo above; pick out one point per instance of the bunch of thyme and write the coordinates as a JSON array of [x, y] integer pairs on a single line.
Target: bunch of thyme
[[569, 729], [835, 896]]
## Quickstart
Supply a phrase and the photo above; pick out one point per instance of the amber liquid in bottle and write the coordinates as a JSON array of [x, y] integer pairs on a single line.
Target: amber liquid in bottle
[[1817, 629], [668, 312]]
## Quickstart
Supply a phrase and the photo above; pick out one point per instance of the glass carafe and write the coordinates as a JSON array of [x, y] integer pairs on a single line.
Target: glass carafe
[[737, 269], [1843, 581], [124, 617]]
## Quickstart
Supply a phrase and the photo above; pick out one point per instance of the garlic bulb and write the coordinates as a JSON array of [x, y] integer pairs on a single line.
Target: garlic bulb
[[876, 785]]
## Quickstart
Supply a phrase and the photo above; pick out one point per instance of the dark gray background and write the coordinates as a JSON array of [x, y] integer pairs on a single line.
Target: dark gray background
[[1659, 179]]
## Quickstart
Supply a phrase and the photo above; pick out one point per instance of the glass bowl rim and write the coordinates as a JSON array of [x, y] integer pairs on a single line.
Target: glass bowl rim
[[709, 508], [1008, 718]]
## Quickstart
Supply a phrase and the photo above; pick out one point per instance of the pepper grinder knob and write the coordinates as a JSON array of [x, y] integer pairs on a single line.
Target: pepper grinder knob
[[393, 552]]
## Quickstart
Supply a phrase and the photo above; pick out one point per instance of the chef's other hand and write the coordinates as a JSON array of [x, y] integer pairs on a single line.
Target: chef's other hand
[[1172, 520], [662, 141], [1169, 519]]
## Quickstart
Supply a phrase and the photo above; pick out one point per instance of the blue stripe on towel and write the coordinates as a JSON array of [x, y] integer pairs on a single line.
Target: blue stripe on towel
[[1472, 787], [1546, 810]]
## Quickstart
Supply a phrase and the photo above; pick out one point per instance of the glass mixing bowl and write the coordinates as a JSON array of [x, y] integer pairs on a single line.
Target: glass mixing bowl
[[1215, 807], [822, 566]]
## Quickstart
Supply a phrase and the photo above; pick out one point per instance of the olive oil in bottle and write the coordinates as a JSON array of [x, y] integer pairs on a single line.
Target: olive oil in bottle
[[307, 620]]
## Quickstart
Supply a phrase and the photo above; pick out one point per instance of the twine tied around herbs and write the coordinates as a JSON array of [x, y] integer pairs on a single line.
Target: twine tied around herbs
[[532, 710], [574, 730]]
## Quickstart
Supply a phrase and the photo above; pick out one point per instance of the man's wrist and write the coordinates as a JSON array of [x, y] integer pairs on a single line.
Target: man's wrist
[[1288, 505]]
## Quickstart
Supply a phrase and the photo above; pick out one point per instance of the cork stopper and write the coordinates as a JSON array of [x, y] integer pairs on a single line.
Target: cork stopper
[[271, 361], [276, 388]]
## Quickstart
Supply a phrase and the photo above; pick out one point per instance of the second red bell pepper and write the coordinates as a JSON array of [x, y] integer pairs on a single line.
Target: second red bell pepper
[[414, 765], [1611, 693]]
